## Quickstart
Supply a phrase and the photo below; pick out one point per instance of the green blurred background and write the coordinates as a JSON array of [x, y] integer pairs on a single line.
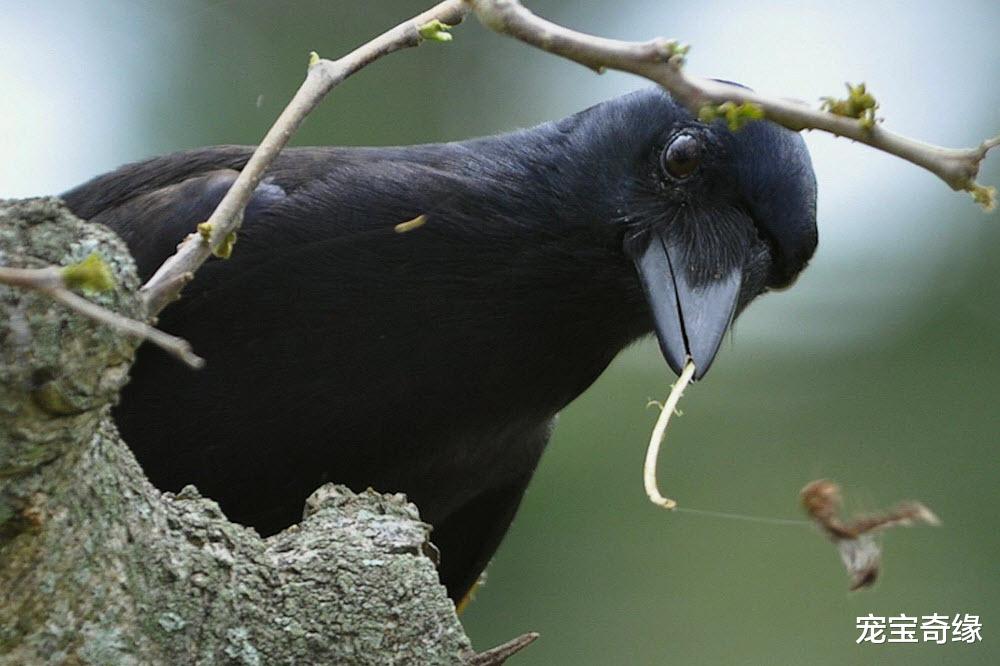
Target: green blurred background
[[878, 369]]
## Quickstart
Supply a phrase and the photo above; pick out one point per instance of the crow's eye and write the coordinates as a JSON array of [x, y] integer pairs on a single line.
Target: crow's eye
[[682, 156]]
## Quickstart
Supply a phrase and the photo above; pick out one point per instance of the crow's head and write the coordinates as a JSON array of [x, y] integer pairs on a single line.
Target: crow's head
[[712, 218]]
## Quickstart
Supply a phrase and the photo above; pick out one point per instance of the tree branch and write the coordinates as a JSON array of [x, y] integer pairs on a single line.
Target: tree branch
[[322, 77], [501, 653], [661, 61], [51, 281]]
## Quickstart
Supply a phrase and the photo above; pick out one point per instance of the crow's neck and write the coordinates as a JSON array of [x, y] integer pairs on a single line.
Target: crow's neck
[[560, 298]]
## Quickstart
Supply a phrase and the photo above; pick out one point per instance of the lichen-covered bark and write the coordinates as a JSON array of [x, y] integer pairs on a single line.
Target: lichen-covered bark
[[98, 567]]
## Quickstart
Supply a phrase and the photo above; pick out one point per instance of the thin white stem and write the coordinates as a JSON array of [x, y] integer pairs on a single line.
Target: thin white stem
[[658, 436]]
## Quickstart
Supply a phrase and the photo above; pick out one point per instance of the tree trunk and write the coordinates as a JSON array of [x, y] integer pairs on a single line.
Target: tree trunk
[[99, 567]]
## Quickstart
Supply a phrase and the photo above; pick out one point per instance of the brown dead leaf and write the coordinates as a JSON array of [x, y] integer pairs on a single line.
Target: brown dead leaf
[[855, 539]]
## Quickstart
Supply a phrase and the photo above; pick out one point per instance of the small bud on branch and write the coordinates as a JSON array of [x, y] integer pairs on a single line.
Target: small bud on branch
[[435, 31], [92, 274]]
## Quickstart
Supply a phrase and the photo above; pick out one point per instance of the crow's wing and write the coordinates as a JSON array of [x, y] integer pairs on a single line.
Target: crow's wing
[[155, 203]]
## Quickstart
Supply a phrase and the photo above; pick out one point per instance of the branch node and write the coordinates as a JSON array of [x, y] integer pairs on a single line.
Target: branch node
[[984, 195], [859, 104], [224, 249], [735, 115], [205, 231], [670, 51], [988, 145], [435, 31]]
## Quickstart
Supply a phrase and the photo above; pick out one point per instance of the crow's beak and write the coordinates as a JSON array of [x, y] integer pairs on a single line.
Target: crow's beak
[[690, 319]]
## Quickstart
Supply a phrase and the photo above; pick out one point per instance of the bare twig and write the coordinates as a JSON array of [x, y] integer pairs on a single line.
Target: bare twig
[[322, 77], [51, 282], [501, 653], [660, 60]]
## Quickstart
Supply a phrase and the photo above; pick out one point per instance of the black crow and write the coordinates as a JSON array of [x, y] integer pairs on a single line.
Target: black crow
[[432, 362]]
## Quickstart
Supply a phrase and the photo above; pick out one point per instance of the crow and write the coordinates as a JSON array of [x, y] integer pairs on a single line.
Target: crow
[[433, 362]]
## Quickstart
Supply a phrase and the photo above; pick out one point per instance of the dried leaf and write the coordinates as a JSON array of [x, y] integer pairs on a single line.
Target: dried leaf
[[855, 539]]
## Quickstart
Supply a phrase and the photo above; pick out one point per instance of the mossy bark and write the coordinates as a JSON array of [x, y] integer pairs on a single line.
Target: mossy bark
[[98, 567]]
